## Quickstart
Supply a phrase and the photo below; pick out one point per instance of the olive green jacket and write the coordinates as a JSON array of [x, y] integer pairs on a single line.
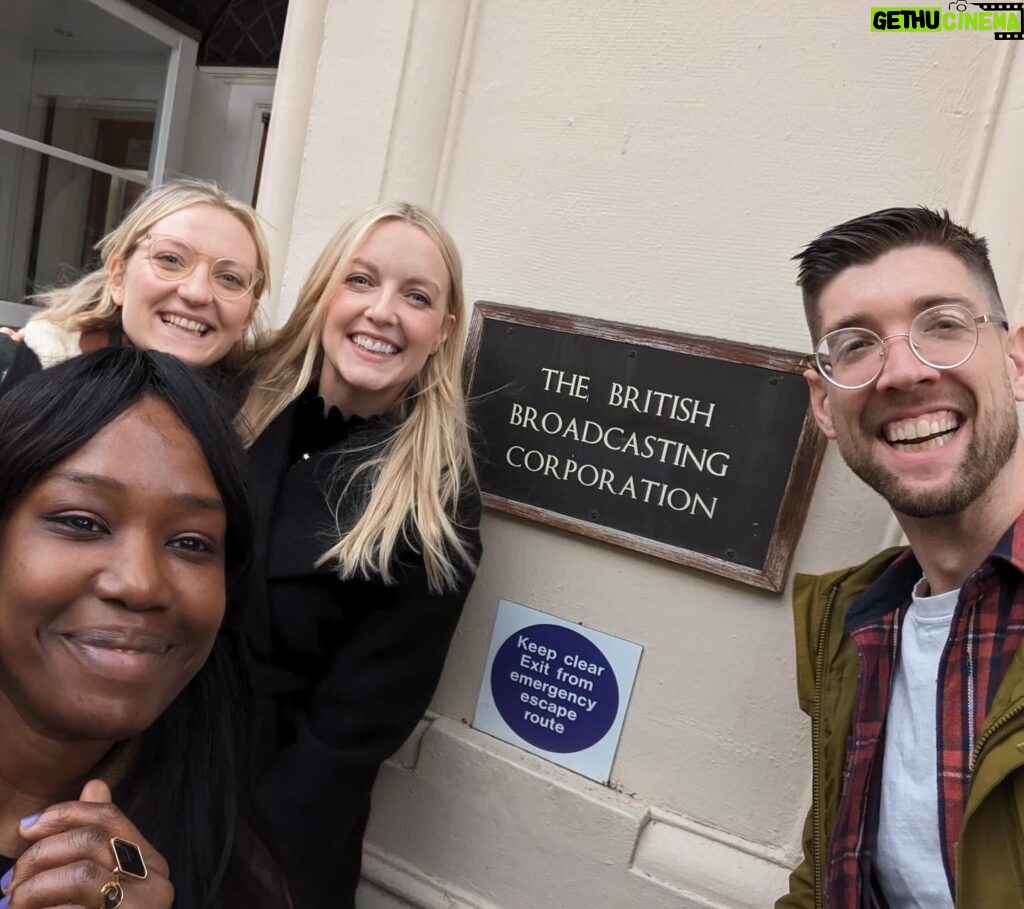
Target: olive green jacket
[[990, 854]]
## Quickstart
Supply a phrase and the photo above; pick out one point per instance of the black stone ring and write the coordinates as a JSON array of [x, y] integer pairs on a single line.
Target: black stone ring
[[129, 859]]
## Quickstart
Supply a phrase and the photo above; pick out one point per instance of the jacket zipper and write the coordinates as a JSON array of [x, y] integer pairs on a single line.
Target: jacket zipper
[[817, 821], [989, 734], [995, 733]]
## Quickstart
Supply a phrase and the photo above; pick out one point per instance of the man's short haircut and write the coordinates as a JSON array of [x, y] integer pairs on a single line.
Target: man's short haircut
[[864, 239]]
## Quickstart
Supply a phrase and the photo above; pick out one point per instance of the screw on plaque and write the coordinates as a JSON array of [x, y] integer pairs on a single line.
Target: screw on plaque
[[594, 514], [730, 553], [632, 355], [508, 331], [774, 380]]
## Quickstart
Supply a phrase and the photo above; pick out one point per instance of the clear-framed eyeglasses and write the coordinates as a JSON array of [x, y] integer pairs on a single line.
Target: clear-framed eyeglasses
[[942, 337], [174, 260]]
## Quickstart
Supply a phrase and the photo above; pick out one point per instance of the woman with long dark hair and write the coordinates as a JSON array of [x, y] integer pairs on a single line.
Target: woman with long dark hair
[[122, 685]]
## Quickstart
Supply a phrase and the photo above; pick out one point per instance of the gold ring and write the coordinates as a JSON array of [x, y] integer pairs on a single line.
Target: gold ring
[[129, 859], [111, 893]]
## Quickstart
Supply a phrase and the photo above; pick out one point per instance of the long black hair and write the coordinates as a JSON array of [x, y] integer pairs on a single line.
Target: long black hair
[[186, 787]]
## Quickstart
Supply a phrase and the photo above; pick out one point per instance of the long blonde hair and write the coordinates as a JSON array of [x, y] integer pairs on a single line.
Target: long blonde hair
[[88, 304], [417, 475]]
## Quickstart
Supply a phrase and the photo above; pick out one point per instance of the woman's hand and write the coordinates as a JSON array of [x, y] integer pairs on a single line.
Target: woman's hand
[[10, 332], [70, 858]]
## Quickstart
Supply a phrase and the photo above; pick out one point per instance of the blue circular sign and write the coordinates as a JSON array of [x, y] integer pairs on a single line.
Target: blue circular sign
[[554, 688]]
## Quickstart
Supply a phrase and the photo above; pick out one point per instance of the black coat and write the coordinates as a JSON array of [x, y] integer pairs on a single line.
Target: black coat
[[16, 361], [343, 670]]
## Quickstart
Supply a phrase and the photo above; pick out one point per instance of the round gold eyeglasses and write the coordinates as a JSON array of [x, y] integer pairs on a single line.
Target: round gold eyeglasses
[[942, 337], [174, 260]]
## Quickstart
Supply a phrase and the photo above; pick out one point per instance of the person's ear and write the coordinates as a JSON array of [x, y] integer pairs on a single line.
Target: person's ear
[[821, 406], [1014, 348], [446, 329], [115, 279]]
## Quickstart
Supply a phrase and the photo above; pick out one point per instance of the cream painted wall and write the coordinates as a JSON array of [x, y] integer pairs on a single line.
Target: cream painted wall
[[656, 163]]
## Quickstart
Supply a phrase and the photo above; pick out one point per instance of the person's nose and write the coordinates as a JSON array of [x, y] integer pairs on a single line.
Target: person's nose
[[194, 289], [902, 368], [383, 307], [134, 577]]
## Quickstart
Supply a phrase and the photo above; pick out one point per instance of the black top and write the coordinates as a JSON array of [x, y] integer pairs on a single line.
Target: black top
[[343, 670], [317, 429], [6, 864]]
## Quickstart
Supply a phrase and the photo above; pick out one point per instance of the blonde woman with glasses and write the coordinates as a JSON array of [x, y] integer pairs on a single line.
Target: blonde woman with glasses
[[367, 530], [183, 273]]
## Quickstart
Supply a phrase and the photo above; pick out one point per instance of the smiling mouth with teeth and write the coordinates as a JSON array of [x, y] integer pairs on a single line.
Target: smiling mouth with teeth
[[197, 328], [922, 433], [373, 345]]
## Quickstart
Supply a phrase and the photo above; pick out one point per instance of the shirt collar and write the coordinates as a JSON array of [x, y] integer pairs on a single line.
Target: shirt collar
[[1010, 548], [893, 587], [890, 591]]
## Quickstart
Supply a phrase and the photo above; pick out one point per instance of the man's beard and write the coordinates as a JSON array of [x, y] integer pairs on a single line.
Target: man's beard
[[985, 457]]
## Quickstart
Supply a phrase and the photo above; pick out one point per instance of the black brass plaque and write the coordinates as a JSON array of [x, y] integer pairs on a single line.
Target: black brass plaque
[[683, 447]]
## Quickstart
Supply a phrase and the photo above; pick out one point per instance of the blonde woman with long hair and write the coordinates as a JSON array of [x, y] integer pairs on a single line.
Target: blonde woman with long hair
[[367, 530], [182, 273]]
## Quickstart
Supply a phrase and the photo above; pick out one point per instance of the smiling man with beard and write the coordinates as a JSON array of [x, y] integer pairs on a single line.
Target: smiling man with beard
[[910, 665]]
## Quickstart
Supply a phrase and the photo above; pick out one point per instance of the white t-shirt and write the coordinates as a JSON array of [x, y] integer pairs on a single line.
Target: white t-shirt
[[909, 859]]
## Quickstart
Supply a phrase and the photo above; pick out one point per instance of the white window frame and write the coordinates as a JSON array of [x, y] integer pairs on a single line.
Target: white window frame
[[172, 110], [171, 113]]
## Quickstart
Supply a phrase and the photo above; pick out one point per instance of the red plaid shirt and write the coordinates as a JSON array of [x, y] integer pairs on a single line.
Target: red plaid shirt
[[987, 630]]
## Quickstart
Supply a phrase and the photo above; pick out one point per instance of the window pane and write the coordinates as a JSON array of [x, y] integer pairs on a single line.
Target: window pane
[[52, 217], [78, 78]]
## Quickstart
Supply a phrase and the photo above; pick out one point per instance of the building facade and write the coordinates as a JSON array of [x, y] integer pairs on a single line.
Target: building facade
[[655, 163]]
